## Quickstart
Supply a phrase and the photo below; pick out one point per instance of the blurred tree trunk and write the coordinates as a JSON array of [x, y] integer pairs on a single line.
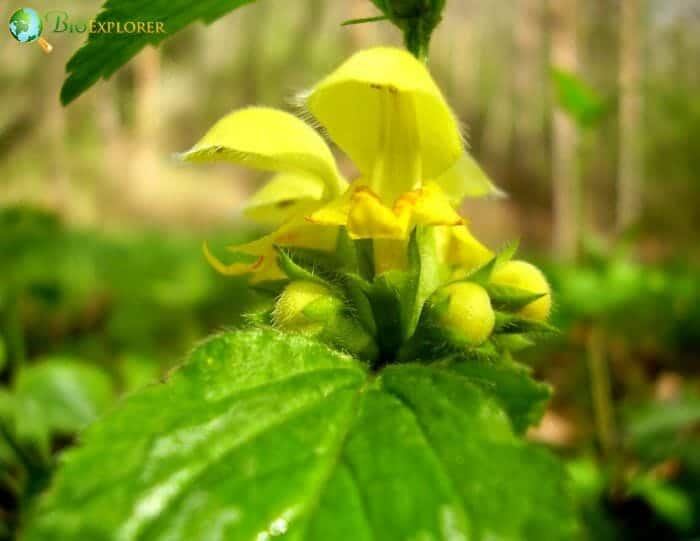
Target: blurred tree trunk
[[629, 203], [498, 124], [145, 170], [114, 144], [528, 91], [147, 97], [55, 132], [565, 174], [360, 34], [254, 53]]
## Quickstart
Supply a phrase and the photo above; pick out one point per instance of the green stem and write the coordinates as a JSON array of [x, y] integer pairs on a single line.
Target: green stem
[[14, 446], [365, 258], [416, 40], [603, 407], [15, 335], [364, 20], [600, 389]]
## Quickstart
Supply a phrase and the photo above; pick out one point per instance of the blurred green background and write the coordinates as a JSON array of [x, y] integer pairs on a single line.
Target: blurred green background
[[586, 112]]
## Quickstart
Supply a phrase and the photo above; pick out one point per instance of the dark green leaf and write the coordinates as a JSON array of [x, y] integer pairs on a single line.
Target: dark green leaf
[[364, 248], [363, 20], [483, 274], [510, 298], [513, 324], [668, 501], [7, 454], [657, 430], [296, 271], [262, 434], [356, 290], [104, 53]]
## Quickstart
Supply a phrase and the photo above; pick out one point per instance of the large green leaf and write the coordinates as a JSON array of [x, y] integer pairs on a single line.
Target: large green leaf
[[262, 434], [104, 53], [523, 398]]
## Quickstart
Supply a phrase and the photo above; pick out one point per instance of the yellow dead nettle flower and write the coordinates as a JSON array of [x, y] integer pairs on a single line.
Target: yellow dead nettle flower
[[385, 111], [307, 176]]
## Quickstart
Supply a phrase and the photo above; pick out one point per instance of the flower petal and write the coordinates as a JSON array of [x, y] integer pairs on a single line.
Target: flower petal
[[230, 269], [460, 248], [369, 218], [336, 212], [466, 179], [427, 206], [365, 216], [350, 103], [271, 140], [297, 232], [283, 197]]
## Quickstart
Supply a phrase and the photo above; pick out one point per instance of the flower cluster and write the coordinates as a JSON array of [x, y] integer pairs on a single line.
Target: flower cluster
[[383, 265]]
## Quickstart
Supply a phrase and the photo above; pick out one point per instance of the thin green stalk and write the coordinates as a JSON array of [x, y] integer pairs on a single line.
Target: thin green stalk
[[15, 335], [601, 393], [14, 446], [603, 407]]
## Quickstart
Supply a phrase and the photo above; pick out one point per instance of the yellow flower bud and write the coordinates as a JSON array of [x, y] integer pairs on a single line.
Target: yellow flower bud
[[526, 276], [288, 313], [469, 315]]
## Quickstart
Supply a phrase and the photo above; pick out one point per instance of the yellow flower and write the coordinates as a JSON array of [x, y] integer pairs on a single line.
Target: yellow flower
[[458, 248], [306, 177], [385, 111], [365, 215]]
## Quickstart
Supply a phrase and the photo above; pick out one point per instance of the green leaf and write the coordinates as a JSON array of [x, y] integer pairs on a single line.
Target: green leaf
[[356, 290], [668, 501], [482, 275], [58, 397], [104, 53], [296, 271], [404, 293], [364, 20], [510, 298], [7, 454], [261, 434], [523, 398], [578, 98], [3, 354], [658, 430], [425, 277], [513, 324]]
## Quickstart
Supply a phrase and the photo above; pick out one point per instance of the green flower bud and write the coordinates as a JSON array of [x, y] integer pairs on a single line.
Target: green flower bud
[[527, 277], [465, 312], [311, 309], [288, 314], [410, 8], [416, 18]]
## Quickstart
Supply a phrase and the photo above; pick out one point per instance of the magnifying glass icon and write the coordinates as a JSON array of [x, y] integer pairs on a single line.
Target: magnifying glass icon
[[26, 27]]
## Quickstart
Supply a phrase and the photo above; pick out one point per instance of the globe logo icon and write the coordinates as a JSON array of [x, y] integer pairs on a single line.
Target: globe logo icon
[[26, 27]]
